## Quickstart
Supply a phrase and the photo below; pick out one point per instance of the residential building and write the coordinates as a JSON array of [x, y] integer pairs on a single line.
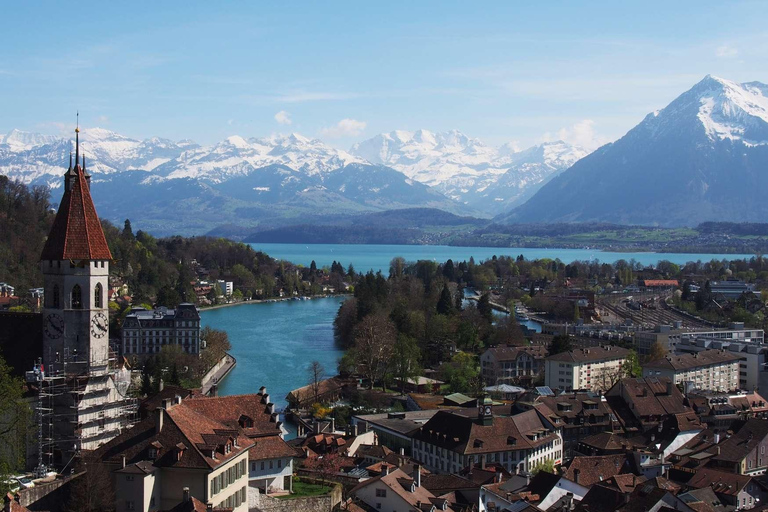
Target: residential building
[[85, 392], [578, 415], [450, 441], [739, 491], [642, 404], [327, 390], [393, 429], [721, 410], [145, 332], [512, 365], [714, 370], [670, 336], [731, 289], [586, 369], [752, 352], [744, 452], [175, 448], [398, 491], [226, 287]]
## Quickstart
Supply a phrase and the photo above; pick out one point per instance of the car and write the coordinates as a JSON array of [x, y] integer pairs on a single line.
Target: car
[[24, 481]]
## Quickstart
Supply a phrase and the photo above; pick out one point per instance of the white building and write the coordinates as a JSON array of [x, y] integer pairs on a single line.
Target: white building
[[714, 370], [590, 369], [226, 287], [145, 332]]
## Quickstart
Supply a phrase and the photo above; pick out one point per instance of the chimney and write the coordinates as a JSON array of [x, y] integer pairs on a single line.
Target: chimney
[[158, 420], [576, 473], [498, 477], [167, 403], [669, 387], [527, 479], [645, 391], [354, 430], [271, 408], [333, 424], [262, 390], [161, 385], [402, 452], [186, 497], [265, 398], [122, 461], [177, 400], [209, 507], [384, 468], [717, 450], [214, 391], [417, 475], [717, 436]]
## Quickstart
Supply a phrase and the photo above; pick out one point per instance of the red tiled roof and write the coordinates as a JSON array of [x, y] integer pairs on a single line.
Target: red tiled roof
[[270, 447], [591, 354], [660, 282], [229, 409], [593, 470], [76, 233]]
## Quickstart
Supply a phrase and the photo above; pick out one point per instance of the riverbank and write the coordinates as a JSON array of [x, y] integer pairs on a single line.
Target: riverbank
[[217, 374], [267, 301]]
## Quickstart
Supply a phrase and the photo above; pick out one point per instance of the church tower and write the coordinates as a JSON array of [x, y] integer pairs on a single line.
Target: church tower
[[84, 392], [75, 266]]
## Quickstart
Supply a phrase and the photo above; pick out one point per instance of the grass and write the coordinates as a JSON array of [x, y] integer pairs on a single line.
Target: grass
[[302, 489]]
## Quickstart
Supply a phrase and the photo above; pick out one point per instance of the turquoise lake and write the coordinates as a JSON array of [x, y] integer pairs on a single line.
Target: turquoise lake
[[377, 257]]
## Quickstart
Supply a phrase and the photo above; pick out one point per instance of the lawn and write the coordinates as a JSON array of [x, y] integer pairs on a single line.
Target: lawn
[[302, 489]]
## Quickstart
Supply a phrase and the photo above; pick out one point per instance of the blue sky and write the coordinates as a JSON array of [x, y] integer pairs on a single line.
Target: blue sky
[[342, 72]]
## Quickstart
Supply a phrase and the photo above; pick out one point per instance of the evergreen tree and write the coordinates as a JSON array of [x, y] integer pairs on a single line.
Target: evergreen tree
[[445, 303], [484, 307], [560, 343]]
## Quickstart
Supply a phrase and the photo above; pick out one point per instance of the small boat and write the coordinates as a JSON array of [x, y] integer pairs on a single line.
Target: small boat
[[520, 313]]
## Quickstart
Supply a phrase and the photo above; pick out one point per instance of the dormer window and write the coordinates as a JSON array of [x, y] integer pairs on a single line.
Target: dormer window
[[152, 453], [245, 421]]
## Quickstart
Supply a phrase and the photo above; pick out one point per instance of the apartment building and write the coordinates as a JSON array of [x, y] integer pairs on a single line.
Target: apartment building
[[671, 336], [715, 370], [512, 365], [586, 369], [449, 441], [145, 332]]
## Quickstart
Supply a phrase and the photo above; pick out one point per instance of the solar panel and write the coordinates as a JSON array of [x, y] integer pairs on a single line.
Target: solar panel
[[545, 391]]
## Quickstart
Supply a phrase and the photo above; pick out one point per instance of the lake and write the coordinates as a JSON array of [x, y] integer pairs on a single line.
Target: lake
[[377, 257]]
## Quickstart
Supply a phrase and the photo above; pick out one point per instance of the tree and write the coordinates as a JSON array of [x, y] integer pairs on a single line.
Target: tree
[[560, 343], [631, 366], [92, 491], [14, 417], [374, 341], [315, 372], [657, 351], [484, 307], [405, 360], [462, 374], [445, 303], [547, 465]]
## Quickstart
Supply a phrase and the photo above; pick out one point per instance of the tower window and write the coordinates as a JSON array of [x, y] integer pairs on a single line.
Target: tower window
[[97, 296], [77, 297], [55, 296]]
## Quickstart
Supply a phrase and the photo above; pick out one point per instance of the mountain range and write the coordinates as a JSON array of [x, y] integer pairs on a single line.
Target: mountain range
[[285, 179], [704, 157]]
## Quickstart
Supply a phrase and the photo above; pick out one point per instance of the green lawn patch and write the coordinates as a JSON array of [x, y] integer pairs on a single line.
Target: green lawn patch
[[303, 489]]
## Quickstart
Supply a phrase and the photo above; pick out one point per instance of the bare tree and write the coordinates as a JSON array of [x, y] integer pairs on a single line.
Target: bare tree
[[374, 342], [316, 372]]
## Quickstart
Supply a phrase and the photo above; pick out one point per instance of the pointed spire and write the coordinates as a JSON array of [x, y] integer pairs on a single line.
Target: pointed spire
[[77, 140], [70, 160]]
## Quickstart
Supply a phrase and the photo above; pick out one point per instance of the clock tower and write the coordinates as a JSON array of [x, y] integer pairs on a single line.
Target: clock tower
[[485, 411], [75, 266]]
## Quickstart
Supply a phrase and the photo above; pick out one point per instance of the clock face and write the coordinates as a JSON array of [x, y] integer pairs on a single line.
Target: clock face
[[99, 325], [54, 326], [487, 409]]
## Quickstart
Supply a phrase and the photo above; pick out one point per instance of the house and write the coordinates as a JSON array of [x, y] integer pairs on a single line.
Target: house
[[744, 452], [715, 370], [393, 429], [419, 385], [590, 369], [512, 365], [398, 491], [721, 410], [145, 332], [450, 441], [177, 447], [641, 404], [740, 491], [327, 390]]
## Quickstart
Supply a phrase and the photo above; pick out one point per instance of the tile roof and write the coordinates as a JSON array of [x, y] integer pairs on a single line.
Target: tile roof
[[510, 353], [688, 361], [76, 233], [270, 447], [721, 482], [11, 505], [181, 425], [229, 410], [466, 435], [195, 505], [596, 469], [607, 441], [400, 483], [747, 436], [591, 354]]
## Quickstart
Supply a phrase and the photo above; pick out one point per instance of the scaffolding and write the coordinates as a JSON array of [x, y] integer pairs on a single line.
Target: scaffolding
[[80, 405]]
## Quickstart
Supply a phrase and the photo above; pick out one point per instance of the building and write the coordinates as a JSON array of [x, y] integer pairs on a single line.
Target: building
[[512, 365], [398, 491], [670, 336], [752, 352], [178, 447], [739, 491], [577, 415], [730, 289], [744, 452], [714, 370], [450, 441], [226, 287], [393, 429], [587, 369], [642, 404], [80, 382], [145, 332], [722, 410]]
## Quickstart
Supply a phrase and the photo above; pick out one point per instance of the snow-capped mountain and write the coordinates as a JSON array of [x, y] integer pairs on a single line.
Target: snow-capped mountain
[[703, 157], [466, 169]]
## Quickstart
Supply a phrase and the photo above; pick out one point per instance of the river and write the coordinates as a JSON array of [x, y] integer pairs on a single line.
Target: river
[[377, 257], [275, 342]]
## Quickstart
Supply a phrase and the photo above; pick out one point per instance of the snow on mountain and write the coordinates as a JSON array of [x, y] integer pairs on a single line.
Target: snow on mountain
[[17, 141], [700, 158], [464, 168]]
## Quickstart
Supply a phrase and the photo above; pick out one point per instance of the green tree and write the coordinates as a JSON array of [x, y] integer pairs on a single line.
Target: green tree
[[547, 465], [14, 420], [657, 351], [560, 343], [631, 366], [484, 307], [445, 303], [405, 360], [462, 373]]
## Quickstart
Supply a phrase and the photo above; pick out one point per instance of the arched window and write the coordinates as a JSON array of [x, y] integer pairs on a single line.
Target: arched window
[[55, 301], [97, 296], [77, 297]]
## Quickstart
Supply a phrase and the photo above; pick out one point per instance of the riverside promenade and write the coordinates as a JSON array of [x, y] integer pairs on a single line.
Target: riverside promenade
[[216, 374]]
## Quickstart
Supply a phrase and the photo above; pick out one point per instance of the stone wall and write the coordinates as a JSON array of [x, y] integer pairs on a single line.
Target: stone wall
[[324, 503]]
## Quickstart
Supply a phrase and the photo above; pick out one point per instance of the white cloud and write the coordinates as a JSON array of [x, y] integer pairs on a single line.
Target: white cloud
[[726, 51], [283, 117], [345, 128], [580, 134]]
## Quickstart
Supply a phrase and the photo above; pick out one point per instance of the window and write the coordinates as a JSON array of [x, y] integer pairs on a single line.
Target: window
[[253, 466], [97, 296], [381, 493], [130, 505], [271, 463], [55, 296], [279, 463], [129, 478], [77, 297], [262, 465]]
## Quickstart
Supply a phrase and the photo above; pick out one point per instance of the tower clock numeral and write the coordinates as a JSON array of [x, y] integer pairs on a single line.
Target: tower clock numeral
[[99, 325]]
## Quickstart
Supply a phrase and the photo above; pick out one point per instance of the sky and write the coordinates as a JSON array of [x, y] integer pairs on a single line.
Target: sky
[[520, 72]]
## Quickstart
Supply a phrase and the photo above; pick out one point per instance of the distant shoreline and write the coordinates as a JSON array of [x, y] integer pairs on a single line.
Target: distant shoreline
[[264, 301]]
